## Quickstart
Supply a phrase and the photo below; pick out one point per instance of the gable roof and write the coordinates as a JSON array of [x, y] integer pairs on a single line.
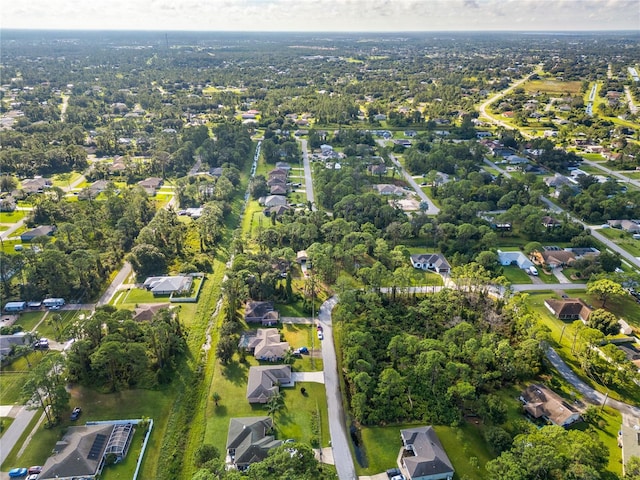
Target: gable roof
[[248, 437], [569, 308], [263, 382], [519, 258], [543, 402], [429, 455], [168, 284]]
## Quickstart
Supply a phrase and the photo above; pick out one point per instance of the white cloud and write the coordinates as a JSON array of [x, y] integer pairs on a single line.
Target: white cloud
[[324, 15]]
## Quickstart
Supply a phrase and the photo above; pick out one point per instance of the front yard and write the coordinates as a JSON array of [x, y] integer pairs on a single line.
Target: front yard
[[293, 421]]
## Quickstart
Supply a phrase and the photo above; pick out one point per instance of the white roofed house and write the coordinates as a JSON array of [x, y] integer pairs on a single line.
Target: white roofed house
[[431, 261], [168, 285]]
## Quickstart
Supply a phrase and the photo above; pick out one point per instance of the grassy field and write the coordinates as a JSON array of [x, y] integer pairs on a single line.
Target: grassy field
[[12, 217], [11, 386], [553, 87], [622, 239]]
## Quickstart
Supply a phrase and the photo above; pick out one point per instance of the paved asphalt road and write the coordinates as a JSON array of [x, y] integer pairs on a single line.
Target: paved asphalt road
[[308, 181], [433, 210], [10, 438], [337, 420], [591, 394], [117, 281]]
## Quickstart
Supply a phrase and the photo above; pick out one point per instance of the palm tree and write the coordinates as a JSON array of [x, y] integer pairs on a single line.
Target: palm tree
[[274, 405], [215, 396]]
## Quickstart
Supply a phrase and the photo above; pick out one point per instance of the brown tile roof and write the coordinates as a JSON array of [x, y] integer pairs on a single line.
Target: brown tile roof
[[570, 308], [545, 403]]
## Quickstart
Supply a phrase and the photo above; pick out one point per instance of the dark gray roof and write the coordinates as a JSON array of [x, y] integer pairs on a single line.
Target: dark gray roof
[[248, 437], [76, 454], [263, 382], [429, 455]]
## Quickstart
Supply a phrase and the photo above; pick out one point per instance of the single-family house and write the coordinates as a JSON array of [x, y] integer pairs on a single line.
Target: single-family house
[[431, 261], [9, 342], [388, 189], [631, 226], [278, 210], [278, 190], [145, 312], [82, 452], [423, 456], [168, 285], [569, 309], [377, 169], [216, 172], [264, 344], [41, 231], [410, 133], [514, 258], [279, 172], [151, 185], [283, 166], [553, 258], [265, 381], [35, 185], [272, 200], [541, 402], [93, 190], [261, 312], [277, 181], [248, 442], [550, 222]]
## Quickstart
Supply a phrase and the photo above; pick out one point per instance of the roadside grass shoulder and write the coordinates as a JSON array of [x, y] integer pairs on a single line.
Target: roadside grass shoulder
[[562, 337], [516, 275], [5, 422], [11, 387]]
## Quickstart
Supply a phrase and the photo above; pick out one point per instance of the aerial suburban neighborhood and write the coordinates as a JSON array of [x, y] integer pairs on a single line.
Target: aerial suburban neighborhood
[[319, 256]]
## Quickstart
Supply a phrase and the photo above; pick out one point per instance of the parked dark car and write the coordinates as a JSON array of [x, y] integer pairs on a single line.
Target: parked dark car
[[76, 413], [392, 472]]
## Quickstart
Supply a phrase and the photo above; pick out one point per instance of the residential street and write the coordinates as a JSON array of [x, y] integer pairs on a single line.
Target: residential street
[[337, 420], [308, 181], [119, 279], [591, 394], [432, 210], [13, 433]]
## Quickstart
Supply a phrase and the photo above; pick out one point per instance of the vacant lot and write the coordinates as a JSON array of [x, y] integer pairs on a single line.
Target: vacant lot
[[554, 87]]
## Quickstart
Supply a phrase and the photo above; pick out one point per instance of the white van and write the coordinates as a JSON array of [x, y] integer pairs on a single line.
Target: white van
[[533, 271]]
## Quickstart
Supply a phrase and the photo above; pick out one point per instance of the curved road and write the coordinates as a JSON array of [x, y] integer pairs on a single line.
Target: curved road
[[337, 420], [593, 395]]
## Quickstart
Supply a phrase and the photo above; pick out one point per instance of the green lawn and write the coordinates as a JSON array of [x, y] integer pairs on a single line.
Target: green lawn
[[382, 445], [155, 404], [11, 386], [12, 217], [622, 239], [29, 320], [294, 421], [516, 275], [124, 470], [134, 296]]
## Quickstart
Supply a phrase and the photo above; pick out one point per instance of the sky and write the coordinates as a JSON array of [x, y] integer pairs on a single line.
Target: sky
[[323, 15]]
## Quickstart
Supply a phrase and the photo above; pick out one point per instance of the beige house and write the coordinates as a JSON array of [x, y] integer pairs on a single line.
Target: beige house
[[541, 402]]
